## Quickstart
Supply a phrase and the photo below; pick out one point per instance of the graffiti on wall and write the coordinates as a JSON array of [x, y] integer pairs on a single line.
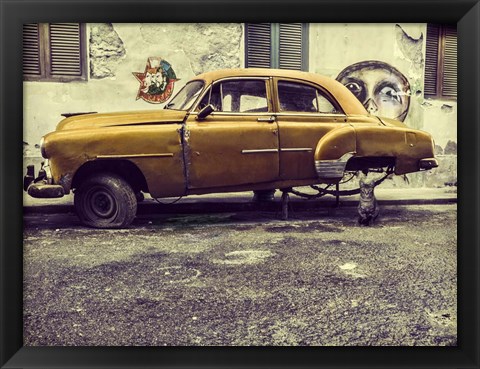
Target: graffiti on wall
[[381, 88], [157, 82]]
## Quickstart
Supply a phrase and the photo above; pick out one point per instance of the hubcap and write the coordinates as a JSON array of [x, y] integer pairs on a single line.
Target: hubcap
[[100, 203]]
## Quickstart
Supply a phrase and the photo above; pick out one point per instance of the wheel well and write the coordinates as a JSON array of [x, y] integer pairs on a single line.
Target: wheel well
[[124, 168], [366, 162]]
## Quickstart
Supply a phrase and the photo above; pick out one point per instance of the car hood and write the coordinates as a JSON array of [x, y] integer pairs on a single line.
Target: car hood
[[96, 120]]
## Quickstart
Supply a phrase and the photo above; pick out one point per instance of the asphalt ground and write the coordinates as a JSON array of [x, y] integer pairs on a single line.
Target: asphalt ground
[[244, 278], [242, 201]]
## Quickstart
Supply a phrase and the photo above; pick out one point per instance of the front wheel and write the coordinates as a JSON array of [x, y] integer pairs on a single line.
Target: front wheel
[[105, 201]]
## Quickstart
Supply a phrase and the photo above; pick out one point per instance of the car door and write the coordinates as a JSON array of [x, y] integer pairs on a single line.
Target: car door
[[237, 144], [305, 113]]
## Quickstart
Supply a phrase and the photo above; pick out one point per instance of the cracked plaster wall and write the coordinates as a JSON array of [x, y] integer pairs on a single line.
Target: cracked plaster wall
[[106, 50]]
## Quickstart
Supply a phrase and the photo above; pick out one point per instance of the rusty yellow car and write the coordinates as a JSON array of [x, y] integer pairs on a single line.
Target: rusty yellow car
[[224, 131]]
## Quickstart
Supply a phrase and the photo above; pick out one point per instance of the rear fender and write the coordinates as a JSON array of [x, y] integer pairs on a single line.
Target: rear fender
[[333, 151], [406, 145]]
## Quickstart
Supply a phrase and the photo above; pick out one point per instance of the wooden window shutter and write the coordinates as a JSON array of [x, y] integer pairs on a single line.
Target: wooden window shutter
[[431, 60], [65, 49], [449, 62], [290, 46], [31, 50], [54, 52], [276, 45], [258, 45], [441, 61]]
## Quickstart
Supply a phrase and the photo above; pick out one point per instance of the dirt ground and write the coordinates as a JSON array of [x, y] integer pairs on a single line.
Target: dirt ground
[[245, 278]]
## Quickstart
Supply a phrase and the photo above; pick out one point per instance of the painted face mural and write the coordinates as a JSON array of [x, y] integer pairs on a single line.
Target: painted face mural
[[381, 88], [157, 82]]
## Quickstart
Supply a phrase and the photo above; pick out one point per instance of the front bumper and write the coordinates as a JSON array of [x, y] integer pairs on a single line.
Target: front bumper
[[41, 187], [427, 163]]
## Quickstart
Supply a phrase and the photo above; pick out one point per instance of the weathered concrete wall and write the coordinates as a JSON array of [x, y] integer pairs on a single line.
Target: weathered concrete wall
[[106, 50]]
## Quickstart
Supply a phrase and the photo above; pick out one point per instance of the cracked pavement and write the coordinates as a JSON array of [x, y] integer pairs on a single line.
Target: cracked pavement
[[244, 278]]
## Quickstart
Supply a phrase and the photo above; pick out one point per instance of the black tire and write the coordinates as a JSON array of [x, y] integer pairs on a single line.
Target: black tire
[[105, 201]]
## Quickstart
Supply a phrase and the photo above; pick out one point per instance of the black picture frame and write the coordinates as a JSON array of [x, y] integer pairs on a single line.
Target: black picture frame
[[466, 13]]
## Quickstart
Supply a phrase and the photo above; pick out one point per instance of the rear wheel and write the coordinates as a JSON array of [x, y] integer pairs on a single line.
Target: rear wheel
[[105, 201]]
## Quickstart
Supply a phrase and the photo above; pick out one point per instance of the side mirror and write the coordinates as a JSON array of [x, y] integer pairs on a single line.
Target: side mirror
[[205, 112]]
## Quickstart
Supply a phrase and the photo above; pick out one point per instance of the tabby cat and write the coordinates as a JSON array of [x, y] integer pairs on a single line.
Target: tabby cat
[[367, 207]]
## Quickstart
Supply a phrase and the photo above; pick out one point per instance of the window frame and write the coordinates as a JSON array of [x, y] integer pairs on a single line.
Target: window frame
[[268, 90], [45, 57], [440, 65], [318, 88]]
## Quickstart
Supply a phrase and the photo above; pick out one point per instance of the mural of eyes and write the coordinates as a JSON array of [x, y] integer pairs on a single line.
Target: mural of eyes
[[388, 94], [381, 88], [354, 87], [357, 88]]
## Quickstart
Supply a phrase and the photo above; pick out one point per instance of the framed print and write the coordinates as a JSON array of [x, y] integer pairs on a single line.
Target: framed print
[[402, 293]]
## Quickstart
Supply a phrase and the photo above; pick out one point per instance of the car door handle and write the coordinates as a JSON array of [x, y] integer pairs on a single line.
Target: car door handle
[[270, 119]]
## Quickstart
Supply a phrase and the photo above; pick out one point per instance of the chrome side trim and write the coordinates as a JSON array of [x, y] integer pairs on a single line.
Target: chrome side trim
[[163, 155], [259, 151], [313, 114], [227, 113], [332, 168], [297, 149]]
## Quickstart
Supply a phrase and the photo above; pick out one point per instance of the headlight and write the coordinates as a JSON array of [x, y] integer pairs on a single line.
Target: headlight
[[42, 147]]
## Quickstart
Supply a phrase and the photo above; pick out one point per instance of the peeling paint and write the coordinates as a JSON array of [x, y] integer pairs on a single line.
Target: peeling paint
[[450, 148], [185, 136], [410, 47], [447, 108], [106, 50], [206, 46]]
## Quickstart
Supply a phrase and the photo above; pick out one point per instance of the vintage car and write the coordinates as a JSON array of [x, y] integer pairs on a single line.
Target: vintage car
[[224, 131]]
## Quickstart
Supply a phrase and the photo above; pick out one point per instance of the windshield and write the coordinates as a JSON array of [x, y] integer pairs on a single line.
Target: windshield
[[184, 99]]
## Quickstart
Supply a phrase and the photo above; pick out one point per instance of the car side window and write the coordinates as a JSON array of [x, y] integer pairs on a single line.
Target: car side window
[[299, 97], [205, 100], [324, 105], [239, 96]]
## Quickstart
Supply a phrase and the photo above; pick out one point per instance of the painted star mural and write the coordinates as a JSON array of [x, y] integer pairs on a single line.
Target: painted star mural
[[157, 82]]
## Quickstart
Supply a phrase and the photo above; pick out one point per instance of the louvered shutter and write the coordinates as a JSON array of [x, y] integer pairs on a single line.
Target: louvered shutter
[[431, 60], [259, 44], [31, 50], [54, 52], [290, 46], [441, 61], [450, 62], [276, 45], [65, 49]]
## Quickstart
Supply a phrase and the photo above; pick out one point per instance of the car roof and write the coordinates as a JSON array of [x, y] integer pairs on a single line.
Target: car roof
[[345, 98]]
